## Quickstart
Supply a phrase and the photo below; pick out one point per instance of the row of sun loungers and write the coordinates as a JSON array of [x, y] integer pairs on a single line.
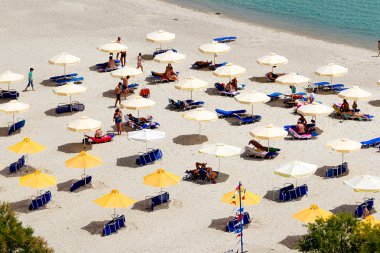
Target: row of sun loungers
[[337, 171], [185, 105], [103, 67], [40, 201], [14, 127], [327, 87], [234, 224], [114, 225], [239, 115], [290, 192], [9, 94], [152, 202], [348, 116], [65, 79], [150, 157], [16, 166]]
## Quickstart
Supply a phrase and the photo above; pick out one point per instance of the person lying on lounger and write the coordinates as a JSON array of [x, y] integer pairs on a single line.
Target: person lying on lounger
[[257, 145], [212, 175], [345, 108], [202, 64], [98, 133], [170, 74], [300, 128], [140, 120], [111, 63], [198, 167]]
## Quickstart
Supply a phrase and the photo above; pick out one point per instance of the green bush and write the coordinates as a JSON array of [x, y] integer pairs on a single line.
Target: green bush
[[16, 238], [341, 233]]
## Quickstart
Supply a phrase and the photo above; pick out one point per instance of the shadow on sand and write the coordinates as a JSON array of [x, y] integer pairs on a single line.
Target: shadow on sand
[[190, 139]]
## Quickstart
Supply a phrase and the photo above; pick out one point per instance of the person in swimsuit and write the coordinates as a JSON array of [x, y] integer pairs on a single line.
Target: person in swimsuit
[[98, 133], [123, 56], [139, 62], [118, 41], [124, 87], [345, 107], [118, 92], [118, 119], [111, 63]]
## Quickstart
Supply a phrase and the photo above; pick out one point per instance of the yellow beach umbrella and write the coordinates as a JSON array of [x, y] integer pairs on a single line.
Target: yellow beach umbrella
[[201, 115], [343, 146], [191, 84], [160, 36], [161, 178], [248, 198], [126, 71], [37, 180], [292, 79], [114, 199], [9, 77], [14, 107], [309, 215], [138, 103], [331, 70], [371, 220], [214, 48], [64, 59], [112, 47], [251, 98], [27, 146], [272, 60], [83, 161]]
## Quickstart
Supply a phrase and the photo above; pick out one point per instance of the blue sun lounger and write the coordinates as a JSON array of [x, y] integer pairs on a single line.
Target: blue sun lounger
[[16, 166], [80, 183], [16, 126], [114, 225], [71, 80], [371, 143], [234, 224], [337, 171], [247, 120], [225, 39], [161, 51], [40, 201], [274, 95], [218, 65], [9, 94], [225, 114], [149, 157], [152, 202], [105, 64], [68, 76], [74, 107], [368, 203], [289, 192]]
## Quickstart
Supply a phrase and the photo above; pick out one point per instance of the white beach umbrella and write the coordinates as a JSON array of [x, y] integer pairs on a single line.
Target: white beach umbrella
[[354, 93], [214, 48], [251, 98], [220, 150], [160, 36], [268, 133], [138, 103], [147, 135], [292, 79], [14, 107], [191, 84], [201, 115], [126, 71], [69, 90], [364, 183], [169, 57], [272, 60], [64, 59], [296, 169], [343, 146], [112, 47], [9, 77], [84, 124], [331, 70], [378, 82], [229, 71], [315, 109]]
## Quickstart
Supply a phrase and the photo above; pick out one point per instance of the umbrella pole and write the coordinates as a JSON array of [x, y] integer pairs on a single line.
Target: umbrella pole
[[252, 109], [331, 80], [64, 70], [27, 162], [84, 140], [268, 145], [214, 59], [14, 126], [219, 165], [146, 146], [71, 107], [241, 220], [191, 95], [342, 158]]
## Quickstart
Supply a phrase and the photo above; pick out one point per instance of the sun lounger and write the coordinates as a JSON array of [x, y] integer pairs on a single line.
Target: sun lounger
[[74, 107], [220, 89], [274, 95], [40, 201], [103, 139], [257, 153], [189, 104], [68, 76], [201, 64], [71, 80], [16, 166], [146, 125], [289, 192], [218, 65], [371, 143], [114, 225], [305, 136], [234, 224], [347, 116], [152, 202], [247, 119], [9, 94], [286, 128], [12, 128], [161, 51], [105, 64], [225, 39], [150, 157], [225, 114], [368, 203], [337, 171], [80, 183], [133, 86]]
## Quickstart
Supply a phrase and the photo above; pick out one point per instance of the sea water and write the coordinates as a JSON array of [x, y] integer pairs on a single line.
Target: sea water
[[355, 22]]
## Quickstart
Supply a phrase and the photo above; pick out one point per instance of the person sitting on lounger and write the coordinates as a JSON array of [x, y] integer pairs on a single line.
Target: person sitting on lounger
[[366, 212], [234, 83], [198, 167], [345, 107], [257, 145], [354, 106], [170, 74], [111, 63], [212, 175], [311, 98], [229, 87], [98, 133], [300, 128]]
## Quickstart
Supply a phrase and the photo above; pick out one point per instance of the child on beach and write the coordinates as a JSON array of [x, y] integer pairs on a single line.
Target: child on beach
[[118, 119], [139, 62]]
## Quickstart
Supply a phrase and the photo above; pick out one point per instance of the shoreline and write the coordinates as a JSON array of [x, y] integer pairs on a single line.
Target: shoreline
[[229, 15]]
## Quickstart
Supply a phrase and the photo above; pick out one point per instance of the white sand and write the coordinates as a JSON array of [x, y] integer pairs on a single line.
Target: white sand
[[34, 31]]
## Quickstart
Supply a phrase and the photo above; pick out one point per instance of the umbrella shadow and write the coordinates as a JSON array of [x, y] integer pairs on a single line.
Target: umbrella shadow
[[93, 68], [259, 79], [291, 241], [70, 148], [147, 57], [212, 92], [51, 112], [255, 158], [142, 206], [190, 139], [375, 103], [95, 227], [321, 172], [22, 206], [271, 196], [220, 224], [4, 131], [344, 209], [222, 177], [109, 94], [65, 186], [48, 83], [279, 103], [21, 172], [129, 161]]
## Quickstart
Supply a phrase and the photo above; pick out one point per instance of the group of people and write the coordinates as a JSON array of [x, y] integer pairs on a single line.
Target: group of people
[[169, 73], [302, 127], [202, 167], [272, 76], [122, 89], [231, 86]]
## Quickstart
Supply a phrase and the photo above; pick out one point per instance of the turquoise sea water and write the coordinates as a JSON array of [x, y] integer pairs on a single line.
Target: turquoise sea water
[[355, 22]]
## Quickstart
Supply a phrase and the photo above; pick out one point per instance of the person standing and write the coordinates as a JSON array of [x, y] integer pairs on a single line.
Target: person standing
[[378, 47], [118, 92], [139, 62], [118, 41], [30, 80], [118, 119]]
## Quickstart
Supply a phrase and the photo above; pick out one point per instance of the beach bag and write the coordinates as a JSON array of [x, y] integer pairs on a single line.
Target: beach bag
[[145, 92]]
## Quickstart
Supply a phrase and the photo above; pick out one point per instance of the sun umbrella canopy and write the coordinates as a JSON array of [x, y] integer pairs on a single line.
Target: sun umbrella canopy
[[69, 90], [201, 115], [272, 59], [354, 93], [26, 146], [114, 199], [214, 48], [344, 145], [296, 169], [252, 97], [161, 178], [14, 107], [248, 197], [126, 71], [84, 124], [311, 214], [190, 84], [220, 150], [229, 71], [169, 57], [371, 220], [292, 79], [364, 183], [112, 47], [64, 59], [138, 103], [331, 70], [268, 132], [314, 109], [83, 161], [38, 180], [9, 77], [160, 36], [146, 135]]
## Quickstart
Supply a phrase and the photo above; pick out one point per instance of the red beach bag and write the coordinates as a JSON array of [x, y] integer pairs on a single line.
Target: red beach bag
[[145, 92]]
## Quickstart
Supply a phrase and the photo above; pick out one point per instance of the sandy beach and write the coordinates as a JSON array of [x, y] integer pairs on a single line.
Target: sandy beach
[[34, 31]]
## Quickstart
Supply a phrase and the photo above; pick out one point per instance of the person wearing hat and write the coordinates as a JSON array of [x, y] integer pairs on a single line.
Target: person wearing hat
[[30, 80]]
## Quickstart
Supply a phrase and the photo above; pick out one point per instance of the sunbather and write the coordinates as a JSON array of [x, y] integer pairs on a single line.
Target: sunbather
[[212, 175], [366, 212], [170, 74], [118, 92], [198, 167], [140, 120], [300, 128], [229, 87], [257, 145], [311, 98], [124, 87], [98, 133], [345, 108], [111, 63], [202, 64]]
